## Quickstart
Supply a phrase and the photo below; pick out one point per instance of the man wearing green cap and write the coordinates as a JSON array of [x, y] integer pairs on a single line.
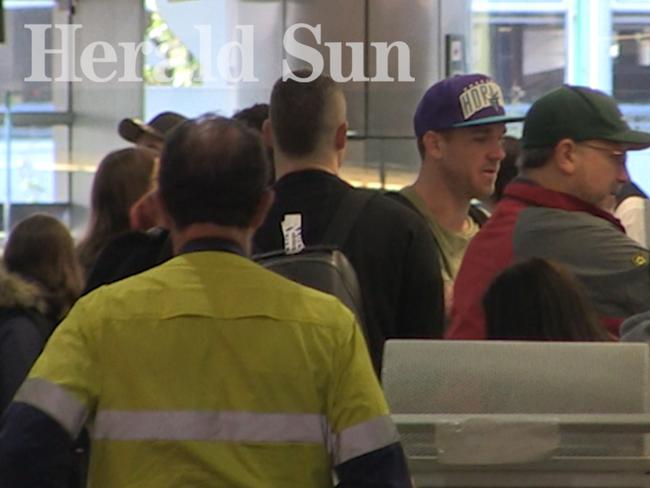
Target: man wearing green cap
[[573, 158]]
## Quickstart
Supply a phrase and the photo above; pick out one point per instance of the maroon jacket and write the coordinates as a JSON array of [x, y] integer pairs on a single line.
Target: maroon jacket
[[532, 221]]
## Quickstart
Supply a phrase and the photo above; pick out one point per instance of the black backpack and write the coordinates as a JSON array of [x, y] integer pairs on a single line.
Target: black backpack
[[325, 267]]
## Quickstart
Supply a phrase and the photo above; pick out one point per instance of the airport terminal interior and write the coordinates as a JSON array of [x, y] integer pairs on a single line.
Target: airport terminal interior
[[557, 414], [57, 126]]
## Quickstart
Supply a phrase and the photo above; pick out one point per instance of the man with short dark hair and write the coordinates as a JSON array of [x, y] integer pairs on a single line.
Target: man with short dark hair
[[389, 245], [207, 370], [254, 117], [574, 148]]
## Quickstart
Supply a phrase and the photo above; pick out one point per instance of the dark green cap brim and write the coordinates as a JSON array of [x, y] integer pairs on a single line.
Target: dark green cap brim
[[637, 140], [495, 119]]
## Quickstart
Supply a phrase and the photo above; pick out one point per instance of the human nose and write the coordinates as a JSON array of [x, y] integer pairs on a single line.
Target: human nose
[[498, 153], [623, 175]]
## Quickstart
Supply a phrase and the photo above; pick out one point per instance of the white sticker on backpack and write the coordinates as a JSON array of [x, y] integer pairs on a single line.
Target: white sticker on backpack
[[292, 232]]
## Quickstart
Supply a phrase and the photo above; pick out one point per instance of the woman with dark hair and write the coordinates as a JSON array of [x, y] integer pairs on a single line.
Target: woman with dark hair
[[536, 300], [39, 282], [507, 171], [122, 178], [508, 167]]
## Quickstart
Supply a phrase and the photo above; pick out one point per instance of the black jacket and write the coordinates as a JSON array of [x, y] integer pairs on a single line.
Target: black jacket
[[390, 247], [24, 328], [129, 254]]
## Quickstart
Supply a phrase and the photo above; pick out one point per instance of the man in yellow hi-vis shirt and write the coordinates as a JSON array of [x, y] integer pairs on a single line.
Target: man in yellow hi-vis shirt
[[207, 371]]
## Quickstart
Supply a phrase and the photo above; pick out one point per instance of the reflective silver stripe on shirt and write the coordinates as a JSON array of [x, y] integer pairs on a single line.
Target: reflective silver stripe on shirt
[[54, 401], [363, 438], [210, 426]]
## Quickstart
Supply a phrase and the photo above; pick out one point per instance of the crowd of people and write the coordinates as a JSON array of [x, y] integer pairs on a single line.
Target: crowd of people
[[160, 350]]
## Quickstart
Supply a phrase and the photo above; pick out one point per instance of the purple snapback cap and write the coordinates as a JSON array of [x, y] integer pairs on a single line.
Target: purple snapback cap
[[461, 101]]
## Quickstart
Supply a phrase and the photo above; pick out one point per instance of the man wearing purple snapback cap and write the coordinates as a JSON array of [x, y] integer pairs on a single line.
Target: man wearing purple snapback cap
[[572, 162], [459, 125]]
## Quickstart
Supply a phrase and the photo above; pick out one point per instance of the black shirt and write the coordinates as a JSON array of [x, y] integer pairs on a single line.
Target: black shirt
[[129, 254]]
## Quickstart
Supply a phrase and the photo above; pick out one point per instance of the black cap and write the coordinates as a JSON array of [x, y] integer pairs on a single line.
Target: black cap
[[159, 126]]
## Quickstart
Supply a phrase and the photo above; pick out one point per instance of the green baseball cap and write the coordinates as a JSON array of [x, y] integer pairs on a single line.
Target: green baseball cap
[[578, 113]]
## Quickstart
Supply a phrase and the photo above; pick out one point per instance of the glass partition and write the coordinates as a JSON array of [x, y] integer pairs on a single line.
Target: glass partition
[[532, 47], [34, 113]]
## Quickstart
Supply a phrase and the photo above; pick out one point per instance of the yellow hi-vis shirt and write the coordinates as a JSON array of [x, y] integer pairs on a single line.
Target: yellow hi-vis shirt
[[212, 371]]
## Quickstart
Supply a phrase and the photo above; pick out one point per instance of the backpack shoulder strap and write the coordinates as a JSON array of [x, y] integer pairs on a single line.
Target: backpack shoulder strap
[[346, 216], [478, 215], [398, 197]]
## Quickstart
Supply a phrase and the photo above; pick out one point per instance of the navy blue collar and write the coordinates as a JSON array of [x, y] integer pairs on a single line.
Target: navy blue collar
[[212, 244]]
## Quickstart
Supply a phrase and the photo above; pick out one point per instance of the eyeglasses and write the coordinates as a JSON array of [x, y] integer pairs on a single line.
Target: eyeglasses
[[620, 157]]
